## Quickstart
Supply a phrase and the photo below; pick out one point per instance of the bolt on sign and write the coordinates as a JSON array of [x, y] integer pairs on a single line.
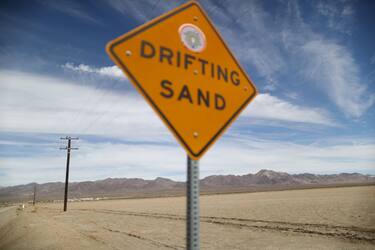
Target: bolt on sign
[[184, 69]]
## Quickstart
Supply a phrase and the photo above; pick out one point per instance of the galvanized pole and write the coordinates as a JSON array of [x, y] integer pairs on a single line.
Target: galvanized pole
[[192, 205], [67, 175]]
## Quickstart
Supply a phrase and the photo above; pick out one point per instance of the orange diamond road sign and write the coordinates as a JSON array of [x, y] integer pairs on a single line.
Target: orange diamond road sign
[[183, 68]]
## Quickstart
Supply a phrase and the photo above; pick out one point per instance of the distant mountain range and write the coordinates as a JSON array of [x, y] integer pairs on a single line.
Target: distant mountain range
[[136, 187]]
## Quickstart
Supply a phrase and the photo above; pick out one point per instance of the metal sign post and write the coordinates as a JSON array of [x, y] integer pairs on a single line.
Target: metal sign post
[[192, 205]]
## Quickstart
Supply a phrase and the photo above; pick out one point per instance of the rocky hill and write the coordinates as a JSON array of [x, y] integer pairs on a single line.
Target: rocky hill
[[269, 177], [136, 187]]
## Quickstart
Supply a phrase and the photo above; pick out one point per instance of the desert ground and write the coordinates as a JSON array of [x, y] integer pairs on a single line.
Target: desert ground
[[325, 218]]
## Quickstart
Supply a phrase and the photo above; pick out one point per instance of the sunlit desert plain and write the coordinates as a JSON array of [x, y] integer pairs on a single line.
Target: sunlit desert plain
[[323, 218]]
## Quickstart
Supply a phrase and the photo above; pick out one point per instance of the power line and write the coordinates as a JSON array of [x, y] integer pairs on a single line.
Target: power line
[[92, 109], [100, 94], [88, 101], [107, 109]]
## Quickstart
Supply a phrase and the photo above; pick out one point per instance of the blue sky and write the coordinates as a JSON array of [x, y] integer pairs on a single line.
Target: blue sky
[[313, 63]]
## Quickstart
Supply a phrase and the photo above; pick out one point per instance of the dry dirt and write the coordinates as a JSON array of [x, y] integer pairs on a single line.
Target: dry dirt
[[327, 218]]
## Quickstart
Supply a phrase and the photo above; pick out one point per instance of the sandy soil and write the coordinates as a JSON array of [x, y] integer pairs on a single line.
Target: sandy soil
[[330, 218]]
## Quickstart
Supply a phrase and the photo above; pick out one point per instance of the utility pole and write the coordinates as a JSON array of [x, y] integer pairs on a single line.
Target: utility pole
[[34, 199], [68, 148]]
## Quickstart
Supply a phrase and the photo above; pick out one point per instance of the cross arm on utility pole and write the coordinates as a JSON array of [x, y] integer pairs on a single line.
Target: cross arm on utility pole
[[69, 138]]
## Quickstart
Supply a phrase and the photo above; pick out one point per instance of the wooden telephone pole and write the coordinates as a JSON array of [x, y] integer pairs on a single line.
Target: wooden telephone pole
[[34, 198], [68, 148]]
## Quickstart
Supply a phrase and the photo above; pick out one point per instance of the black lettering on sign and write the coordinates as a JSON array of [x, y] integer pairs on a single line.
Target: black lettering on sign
[[212, 70], [147, 49], [234, 77], [199, 97], [203, 64], [185, 93], [178, 60], [167, 88], [188, 60], [205, 98], [219, 102], [166, 53], [222, 73]]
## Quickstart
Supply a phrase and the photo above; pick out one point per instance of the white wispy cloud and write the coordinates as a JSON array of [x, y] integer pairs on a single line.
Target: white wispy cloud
[[336, 73], [372, 59], [142, 10], [68, 108], [326, 64], [266, 106], [71, 8], [109, 71], [288, 156], [248, 29], [338, 15], [291, 95]]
